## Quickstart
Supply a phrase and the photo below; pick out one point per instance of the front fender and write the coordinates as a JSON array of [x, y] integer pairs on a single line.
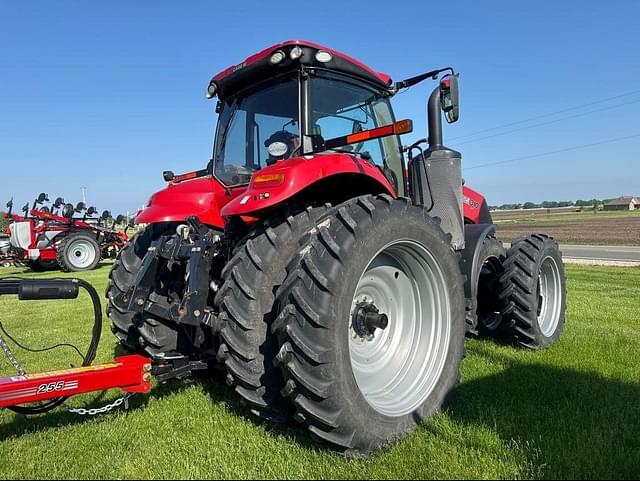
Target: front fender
[[203, 197], [290, 177]]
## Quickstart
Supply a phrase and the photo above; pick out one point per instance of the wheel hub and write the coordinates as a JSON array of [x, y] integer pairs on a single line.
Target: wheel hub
[[366, 319]]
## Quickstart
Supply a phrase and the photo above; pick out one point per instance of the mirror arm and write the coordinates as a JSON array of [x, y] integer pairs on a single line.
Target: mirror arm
[[410, 82]]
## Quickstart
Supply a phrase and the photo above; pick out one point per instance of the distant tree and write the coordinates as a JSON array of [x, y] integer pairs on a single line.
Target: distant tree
[[565, 203], [549, 204], [530, 205]]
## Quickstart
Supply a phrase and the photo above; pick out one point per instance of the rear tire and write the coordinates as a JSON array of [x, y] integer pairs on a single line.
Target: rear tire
[[533, 292], [134, 331], [78, 252], [246, 304], [359, 390]]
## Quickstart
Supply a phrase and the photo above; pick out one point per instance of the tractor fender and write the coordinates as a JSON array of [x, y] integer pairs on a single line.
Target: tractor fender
[[474, 235], [202, 197], [280, 182]]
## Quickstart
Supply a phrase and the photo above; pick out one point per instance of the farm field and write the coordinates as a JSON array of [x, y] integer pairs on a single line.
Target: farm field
[[589, 228], [571, 411]]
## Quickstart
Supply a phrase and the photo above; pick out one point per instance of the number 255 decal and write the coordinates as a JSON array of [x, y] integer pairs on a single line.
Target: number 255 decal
[[57, 386]]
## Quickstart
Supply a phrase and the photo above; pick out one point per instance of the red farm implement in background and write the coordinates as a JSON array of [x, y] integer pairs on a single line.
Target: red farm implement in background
[[50, 237]]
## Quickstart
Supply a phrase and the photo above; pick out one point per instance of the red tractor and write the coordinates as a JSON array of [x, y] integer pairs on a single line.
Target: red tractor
[[333, 278], [44, 239]]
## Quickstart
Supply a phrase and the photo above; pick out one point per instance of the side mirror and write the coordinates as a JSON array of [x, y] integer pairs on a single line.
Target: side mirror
[[42, 198], [450, 97], [10, 204], [25, 209], [81, 206], [59, 202], [67, 211], [91, 211], [168, 175]]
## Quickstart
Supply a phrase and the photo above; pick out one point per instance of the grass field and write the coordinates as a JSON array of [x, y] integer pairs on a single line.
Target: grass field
[[588, 227], [572, 411]]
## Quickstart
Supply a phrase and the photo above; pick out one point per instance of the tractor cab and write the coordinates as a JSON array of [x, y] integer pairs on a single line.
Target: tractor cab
[[300, 99]]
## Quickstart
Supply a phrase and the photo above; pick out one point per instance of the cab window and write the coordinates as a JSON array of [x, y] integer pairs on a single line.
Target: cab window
[[340, 106]]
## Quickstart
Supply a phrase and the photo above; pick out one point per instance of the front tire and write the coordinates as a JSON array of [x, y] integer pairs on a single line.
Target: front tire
[[534, 292], [354, 385], [488, 305]]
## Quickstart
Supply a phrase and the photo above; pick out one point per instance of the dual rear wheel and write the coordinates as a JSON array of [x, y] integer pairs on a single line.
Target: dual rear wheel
[[361, 308], [358, 331]]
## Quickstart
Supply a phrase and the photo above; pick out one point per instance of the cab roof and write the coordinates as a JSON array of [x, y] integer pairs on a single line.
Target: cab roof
[[258, 67]]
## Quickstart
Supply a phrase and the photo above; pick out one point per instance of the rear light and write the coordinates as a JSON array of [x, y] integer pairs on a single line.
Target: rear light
[[397, 128], [277, 57], [402, 127], [268, 180]]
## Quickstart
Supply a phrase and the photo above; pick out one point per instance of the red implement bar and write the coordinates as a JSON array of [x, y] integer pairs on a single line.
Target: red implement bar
[[132, 374]]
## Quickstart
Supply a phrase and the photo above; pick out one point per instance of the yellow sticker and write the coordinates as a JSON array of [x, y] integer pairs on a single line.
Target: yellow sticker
[[77, 370]]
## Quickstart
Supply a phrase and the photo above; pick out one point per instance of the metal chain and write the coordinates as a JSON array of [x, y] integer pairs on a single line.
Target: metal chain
[[12, 359], [104, 409]]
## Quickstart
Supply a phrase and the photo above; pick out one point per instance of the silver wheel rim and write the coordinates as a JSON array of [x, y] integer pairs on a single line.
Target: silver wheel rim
[[549, 296], [396, 369], [81, 254]]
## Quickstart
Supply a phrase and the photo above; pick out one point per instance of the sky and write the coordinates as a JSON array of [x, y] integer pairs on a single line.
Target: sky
[[107, 95]]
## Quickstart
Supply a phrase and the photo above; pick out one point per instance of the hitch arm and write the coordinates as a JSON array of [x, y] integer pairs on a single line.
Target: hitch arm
[[132, 374]]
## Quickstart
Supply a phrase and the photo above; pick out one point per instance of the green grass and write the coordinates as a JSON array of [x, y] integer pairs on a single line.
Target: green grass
[[572, 411]]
